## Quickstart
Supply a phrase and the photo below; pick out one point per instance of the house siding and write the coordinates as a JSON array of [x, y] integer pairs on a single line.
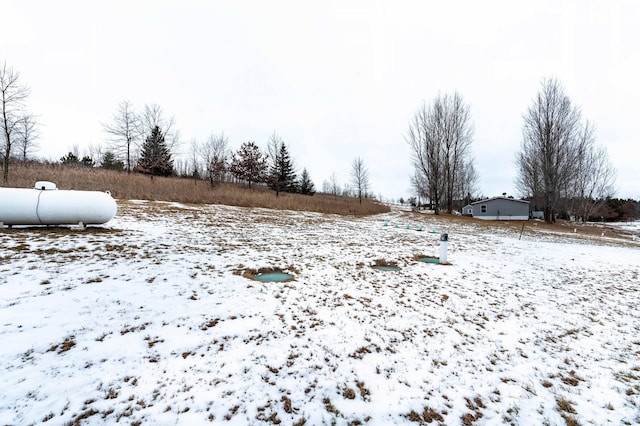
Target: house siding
[[501, 209]]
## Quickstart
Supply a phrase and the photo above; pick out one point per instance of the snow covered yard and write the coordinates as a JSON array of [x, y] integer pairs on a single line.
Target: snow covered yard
[[152, 319]]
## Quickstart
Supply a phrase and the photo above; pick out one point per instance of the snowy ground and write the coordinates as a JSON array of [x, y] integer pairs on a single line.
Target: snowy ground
[[151, 319], [631, 227]]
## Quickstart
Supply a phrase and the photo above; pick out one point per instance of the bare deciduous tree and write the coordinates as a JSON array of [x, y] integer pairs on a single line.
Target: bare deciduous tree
[[467, 182], [427, 162], [27, 134], [548, 152], [125, 132], [459, 134], [13, 95], [194, 154], [440, 137], [594, 175], [95, 152], [215, 153], [273, 154], [420, 186], [331, 186], [334, 186], [360, 178], [558, 159]]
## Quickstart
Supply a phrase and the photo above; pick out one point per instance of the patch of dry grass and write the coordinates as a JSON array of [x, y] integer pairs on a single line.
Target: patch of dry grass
[[65, 346], [141, 187], [384, 262], [583, 231], [565, 407]]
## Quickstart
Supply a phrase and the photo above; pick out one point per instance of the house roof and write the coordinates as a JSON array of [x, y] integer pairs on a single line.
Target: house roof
[[499, 198]]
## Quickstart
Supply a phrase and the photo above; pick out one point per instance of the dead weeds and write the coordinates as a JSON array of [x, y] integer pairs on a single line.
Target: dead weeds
[[187, 191], [65, 346]]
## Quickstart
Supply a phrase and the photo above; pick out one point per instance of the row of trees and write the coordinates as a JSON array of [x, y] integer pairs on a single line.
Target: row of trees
[[154, 157], [211, 160], [559, 165], [616, 209], [559, 161], [249, 164], [145, 142], [601, 210], [128, 128]]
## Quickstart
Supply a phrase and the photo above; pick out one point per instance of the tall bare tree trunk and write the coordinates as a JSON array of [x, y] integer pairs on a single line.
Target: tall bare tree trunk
[[547, 161], [360, 177], [440, 136], [12, 98], [125, 131]]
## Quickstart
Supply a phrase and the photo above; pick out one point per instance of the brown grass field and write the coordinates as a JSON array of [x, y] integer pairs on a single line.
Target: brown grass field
[[141, 187]]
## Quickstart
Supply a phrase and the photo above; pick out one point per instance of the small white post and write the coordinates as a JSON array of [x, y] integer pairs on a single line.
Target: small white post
[[444, 239]]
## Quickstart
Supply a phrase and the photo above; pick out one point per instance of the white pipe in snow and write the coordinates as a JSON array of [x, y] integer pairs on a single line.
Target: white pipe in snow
[[46, 205], [444, 240]]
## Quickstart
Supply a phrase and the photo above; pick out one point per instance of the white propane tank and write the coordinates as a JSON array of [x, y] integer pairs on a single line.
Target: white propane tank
[[46, 205]]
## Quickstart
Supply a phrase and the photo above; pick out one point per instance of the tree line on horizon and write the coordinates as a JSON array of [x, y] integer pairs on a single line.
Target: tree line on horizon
[[146, 142], [561, 169], [211, 160]]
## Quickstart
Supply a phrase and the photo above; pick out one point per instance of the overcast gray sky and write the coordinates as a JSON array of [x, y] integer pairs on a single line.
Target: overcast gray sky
[[335, 79]]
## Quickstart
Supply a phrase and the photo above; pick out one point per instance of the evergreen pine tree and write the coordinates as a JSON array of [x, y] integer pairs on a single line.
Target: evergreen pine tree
[[87, 161], [111, 162], [306, 186], [156, 157], [248, 163], [70, 159], [281, 174], [73, 160]]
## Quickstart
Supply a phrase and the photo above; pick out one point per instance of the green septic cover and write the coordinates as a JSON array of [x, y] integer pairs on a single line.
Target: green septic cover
[[386, 268], [274, 277], [429, 259]]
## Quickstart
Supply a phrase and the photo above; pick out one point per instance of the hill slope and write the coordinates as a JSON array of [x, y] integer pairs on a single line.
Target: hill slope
[[140, 187]]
